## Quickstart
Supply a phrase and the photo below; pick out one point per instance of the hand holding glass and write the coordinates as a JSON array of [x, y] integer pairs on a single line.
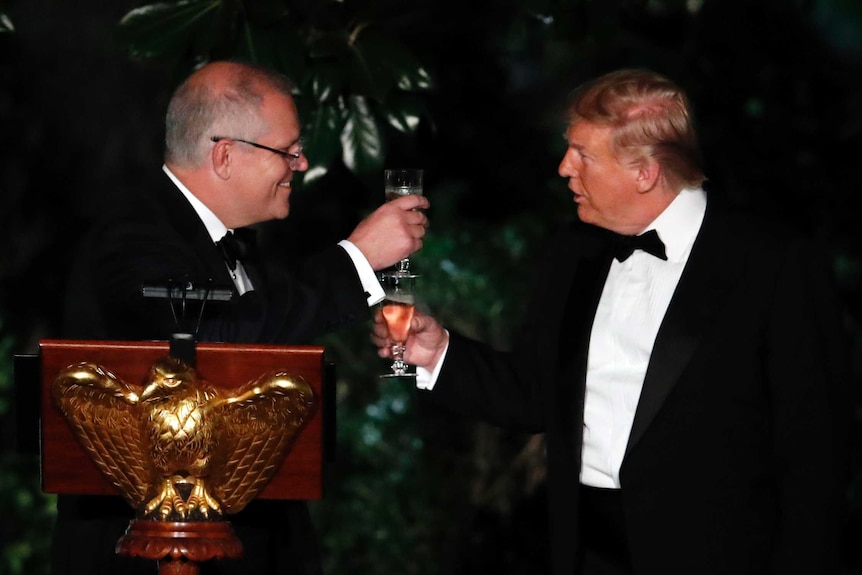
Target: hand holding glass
[[402, 182], [397, 309]]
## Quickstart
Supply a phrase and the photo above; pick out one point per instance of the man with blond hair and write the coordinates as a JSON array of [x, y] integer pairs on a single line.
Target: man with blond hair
[[685, 363]]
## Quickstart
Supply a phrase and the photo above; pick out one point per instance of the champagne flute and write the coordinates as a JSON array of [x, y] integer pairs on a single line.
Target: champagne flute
[[398, 307], [402, 182]]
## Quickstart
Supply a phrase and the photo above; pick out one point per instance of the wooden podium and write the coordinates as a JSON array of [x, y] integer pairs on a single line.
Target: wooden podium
[[68, 469]]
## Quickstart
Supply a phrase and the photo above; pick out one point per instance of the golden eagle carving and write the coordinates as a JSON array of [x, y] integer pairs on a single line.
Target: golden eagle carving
[[177, 448]]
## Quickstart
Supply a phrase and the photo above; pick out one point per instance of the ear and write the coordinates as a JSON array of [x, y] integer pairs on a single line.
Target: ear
[[221, 158], [647, 175]]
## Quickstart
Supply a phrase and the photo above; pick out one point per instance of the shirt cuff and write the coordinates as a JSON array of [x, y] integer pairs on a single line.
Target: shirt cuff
[[373, 290], [425, 378]]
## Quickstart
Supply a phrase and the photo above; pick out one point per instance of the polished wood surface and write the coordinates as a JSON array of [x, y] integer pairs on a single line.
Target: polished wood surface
[[66, 467], [179, 547]]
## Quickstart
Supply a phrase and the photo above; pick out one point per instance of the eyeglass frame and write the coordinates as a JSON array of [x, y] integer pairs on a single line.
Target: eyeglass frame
[[294, 156]]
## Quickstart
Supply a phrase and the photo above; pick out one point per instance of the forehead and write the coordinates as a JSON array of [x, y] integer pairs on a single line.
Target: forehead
[[280, 116], [589, 136]]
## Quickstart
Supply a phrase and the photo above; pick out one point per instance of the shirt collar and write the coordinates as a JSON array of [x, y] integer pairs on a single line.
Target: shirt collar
[[678, 224], [215, 227]]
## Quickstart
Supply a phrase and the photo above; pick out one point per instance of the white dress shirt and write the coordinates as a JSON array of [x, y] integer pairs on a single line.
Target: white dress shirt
[[633, 303], [217, 230]]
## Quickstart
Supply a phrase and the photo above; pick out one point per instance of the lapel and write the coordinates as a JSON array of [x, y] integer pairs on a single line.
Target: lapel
[[584, 285], [702, 290], [194, 246], [188, 225], [253, 261]]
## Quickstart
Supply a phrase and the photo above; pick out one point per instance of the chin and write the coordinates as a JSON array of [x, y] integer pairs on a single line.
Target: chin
[[280, 210], [585, 215]]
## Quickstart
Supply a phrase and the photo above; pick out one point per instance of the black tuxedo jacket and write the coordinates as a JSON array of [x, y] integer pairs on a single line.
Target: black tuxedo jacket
[[736, 458], [155, 239]]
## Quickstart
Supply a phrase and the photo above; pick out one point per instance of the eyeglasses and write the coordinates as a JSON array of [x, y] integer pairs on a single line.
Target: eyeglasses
[[293, 157]]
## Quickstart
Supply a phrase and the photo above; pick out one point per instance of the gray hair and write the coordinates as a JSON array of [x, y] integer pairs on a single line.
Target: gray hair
[[200, 109]]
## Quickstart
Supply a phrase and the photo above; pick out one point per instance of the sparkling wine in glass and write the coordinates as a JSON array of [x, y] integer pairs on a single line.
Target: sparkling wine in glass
[[402, 182], [397, 308]]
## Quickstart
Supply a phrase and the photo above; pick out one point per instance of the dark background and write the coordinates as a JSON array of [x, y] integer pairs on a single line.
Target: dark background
[[777, 89]]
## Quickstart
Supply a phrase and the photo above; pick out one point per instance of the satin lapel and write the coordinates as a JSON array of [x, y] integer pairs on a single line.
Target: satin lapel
[[700, 295], [586, 289], [186, 221], [253, 262]]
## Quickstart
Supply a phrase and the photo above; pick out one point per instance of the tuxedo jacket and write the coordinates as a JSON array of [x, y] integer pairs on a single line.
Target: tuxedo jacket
[[736, 459], [157, 239]]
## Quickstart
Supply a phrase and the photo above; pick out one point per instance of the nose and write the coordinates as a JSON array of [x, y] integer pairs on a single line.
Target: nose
[[567, 168], [301, 163]]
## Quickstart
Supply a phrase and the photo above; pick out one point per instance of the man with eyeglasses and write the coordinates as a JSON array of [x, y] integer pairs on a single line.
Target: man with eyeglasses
[[232, 149]]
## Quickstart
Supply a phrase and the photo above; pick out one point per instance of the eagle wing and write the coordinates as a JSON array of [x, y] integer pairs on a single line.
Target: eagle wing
[[261, 421], [103, 412]]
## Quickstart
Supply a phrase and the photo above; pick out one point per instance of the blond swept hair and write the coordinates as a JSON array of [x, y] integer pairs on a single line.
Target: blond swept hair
[[651, 119]]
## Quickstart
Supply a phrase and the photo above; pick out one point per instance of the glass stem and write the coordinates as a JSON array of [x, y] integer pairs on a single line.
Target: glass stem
[[398, 366]]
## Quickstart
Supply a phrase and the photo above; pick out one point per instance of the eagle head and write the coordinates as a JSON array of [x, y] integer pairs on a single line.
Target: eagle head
[[167, 376]]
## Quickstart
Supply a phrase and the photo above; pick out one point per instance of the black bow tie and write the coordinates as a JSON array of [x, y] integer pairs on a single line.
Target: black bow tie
[[239, 245], [648, 242]]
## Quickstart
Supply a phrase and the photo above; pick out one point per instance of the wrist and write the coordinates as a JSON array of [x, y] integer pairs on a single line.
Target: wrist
[[439, 352]]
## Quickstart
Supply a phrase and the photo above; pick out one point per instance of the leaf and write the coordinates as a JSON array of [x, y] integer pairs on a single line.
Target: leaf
[[361, 142], [379, 63], [290, 53], [403, 111], [321, 140], [399, 62], [415, 79], [367, 67], [325, 44], [6, 24], [326, 81], [166, 29], [276, 47]]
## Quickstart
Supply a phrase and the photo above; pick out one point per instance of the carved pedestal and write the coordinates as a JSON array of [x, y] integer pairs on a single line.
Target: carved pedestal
[[179, 547]]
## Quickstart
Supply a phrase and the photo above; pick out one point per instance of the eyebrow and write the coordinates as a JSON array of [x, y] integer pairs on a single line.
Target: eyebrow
[[290, 145], [570, 143]]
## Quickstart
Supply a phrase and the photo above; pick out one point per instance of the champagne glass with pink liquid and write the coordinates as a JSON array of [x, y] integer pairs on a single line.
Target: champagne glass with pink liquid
[[398, 307]]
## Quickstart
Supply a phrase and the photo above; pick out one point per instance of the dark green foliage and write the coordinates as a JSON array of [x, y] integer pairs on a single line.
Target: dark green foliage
[[353, 76], [27, 513]]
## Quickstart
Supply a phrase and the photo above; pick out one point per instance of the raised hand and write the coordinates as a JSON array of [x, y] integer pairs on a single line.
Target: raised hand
[[392, 232]]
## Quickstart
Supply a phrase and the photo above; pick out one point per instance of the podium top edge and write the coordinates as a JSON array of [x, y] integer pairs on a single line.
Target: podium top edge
[[165, 345]]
